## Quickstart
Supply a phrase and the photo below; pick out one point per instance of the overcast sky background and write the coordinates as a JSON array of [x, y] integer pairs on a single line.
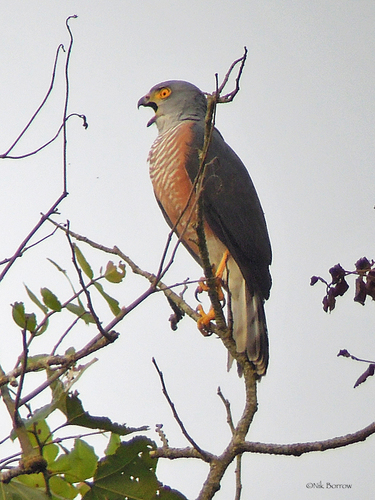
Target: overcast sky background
[[303, 124]]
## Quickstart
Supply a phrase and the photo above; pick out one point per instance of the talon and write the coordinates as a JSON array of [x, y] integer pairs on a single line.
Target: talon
[[202, 287], [204, 321]]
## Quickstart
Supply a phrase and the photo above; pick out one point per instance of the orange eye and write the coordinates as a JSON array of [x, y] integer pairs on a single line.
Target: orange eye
[[164, 93]]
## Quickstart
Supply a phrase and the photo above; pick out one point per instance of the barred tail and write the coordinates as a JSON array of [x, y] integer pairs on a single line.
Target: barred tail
[[249, 328]]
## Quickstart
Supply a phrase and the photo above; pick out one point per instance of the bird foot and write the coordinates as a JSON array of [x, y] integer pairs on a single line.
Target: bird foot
[[202, 284], [203, 322]]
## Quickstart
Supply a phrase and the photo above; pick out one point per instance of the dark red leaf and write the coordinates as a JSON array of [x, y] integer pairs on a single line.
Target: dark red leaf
[[313, 280], [363, 264], [360, 291], [368, 373], [370, 283], [337, 273], [344, 352], [341, 287], [329, 301]]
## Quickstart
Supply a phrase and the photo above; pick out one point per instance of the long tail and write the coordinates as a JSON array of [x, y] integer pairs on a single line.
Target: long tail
[[249, 327]]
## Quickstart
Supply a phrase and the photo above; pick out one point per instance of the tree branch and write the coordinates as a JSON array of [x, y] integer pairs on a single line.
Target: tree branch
[[201, 452]]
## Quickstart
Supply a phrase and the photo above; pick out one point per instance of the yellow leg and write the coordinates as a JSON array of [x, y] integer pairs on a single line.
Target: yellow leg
[[204, 321], [222, 265]]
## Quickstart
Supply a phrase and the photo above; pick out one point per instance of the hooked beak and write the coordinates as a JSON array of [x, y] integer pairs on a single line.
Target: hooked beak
[[145, 102]]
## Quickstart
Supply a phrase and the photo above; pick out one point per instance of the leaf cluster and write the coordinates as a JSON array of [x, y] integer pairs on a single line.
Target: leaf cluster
[[125, 471], [338, 286]]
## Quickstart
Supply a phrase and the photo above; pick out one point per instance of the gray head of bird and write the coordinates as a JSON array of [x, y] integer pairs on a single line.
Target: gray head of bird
[[174, 101]]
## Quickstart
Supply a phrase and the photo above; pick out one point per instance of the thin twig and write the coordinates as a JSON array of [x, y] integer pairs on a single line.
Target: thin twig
[[26, 155], [60, 47], [231, 95], [31, 246], [18, 253], [293, 449], [233, 430], [84, 287], [167, 290], [53, 208], [23, 371], [176, 416], [65, 140], [238, 472], [69, 329], [227, 409]]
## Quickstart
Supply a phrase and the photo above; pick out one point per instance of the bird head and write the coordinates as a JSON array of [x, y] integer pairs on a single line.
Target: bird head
[[174, 101]]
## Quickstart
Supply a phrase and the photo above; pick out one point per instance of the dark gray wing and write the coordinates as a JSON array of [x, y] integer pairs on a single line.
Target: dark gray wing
[[233, 210]]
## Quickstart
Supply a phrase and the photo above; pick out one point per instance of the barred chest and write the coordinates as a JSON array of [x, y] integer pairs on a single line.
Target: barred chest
[[170, 180]]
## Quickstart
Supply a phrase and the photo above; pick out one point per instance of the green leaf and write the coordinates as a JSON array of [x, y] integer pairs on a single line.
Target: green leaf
[[57, 266], [32, 480], [113, 303], [24, 320], [17, 491], [85, 266], [18, 313], [76, 415], [50, 452], [78, 465], [114, 443], [43, 328], [130, 473], [62, 488], [166, 493], [79, 310], [50, 300], [36, 301], [39, 432], [112, 274], [30, 322]]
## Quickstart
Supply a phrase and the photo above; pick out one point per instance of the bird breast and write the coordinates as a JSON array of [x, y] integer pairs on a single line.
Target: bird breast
[[171, 182]]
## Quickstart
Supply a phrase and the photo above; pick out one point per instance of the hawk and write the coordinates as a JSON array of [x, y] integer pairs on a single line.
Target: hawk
[[234, 222]]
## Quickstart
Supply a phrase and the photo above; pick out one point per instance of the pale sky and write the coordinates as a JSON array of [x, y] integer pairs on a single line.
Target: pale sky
[[303, 124]]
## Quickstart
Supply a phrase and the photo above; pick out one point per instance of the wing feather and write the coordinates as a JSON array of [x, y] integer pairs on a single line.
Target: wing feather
[[232, 209]]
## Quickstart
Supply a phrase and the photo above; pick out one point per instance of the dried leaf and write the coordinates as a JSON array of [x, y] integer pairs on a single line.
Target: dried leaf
[[362, 265], [112, 274], [341, 287], [360, 291], [329, 301], [313, 280], [370, 284], [337, 273], [345, 353], [368, 373]]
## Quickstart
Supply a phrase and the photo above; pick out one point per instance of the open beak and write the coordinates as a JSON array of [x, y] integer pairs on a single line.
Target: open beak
[[146, 102]]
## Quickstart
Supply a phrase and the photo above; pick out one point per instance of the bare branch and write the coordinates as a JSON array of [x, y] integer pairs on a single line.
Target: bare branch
[[59, 48], [65, 140], [35, 151], [18, 253], [23, 372], [83, 285], [294, 449], [229, 97], [228, 410], [201, 452], [53, 208]]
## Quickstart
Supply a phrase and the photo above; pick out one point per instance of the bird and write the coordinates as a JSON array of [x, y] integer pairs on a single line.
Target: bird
[[234, 221]]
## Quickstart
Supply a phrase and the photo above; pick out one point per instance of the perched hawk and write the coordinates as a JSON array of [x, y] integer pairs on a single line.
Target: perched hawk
[[233, 216]]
